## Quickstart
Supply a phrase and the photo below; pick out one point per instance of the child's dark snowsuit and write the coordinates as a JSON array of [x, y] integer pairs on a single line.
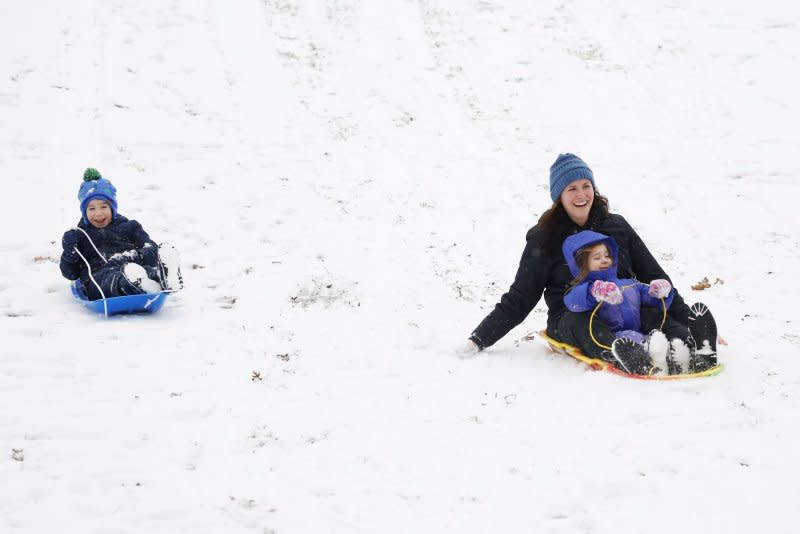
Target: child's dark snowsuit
[[121, 242]]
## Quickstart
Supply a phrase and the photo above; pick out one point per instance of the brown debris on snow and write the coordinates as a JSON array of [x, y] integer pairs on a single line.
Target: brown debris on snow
[[705, 284]]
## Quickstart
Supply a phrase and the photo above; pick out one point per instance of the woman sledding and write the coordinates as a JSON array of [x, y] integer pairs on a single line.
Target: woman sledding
[[578, 206]]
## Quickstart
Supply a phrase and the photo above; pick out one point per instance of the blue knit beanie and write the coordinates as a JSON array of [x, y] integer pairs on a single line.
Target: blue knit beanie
[[95, 186], [567, 168]]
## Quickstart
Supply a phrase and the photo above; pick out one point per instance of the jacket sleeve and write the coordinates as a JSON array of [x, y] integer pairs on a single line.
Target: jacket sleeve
[[146, 247], [579, 299], [646, 269], [71, 264], [519, 300]]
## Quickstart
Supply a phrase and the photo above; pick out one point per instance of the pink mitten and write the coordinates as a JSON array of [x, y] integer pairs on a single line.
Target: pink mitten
[[606, 292], [659, 289]]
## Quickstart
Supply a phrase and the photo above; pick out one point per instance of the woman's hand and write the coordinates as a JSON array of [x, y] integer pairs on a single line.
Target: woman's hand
[[607, 292], [659, 289], [467, 349]]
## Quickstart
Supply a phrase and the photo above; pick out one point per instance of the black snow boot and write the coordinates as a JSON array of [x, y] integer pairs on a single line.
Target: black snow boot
[[703, 330], [631, 357]]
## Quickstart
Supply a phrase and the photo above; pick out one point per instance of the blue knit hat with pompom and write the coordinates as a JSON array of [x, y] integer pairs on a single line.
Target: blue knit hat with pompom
[[95, 186], [566, 169]]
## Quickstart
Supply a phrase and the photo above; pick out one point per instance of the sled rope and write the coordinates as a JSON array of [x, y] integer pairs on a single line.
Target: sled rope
[[89, 267], [93, 246], [594, 312], [591, 333], [89, 270], [591, 320]]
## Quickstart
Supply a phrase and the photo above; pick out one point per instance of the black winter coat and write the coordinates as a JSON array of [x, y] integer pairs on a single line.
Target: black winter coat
[[542, 273], [124, 237]]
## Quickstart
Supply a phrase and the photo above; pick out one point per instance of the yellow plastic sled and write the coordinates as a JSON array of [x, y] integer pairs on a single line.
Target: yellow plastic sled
[[602, 365]]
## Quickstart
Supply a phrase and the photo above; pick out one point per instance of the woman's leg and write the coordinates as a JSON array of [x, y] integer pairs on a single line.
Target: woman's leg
[[573, 328]]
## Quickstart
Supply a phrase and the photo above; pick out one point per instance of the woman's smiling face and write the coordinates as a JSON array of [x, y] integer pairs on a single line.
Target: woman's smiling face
[[577, 199]]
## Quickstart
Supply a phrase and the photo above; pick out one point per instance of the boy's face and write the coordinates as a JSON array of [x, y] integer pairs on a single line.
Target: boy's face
[[98, 213], [599, 258]]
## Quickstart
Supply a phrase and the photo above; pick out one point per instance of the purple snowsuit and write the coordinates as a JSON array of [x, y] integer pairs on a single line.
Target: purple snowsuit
[[623, 319]]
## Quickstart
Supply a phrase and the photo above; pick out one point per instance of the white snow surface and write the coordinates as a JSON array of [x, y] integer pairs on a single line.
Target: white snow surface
[[350, 184]]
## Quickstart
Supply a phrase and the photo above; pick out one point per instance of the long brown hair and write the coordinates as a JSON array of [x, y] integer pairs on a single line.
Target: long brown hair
[[556, 224]]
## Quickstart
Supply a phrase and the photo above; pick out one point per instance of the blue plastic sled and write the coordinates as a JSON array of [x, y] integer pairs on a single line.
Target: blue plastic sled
[[144, 303]]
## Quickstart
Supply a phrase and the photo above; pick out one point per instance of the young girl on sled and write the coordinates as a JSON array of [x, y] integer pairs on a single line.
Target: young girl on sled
[[628, 308]]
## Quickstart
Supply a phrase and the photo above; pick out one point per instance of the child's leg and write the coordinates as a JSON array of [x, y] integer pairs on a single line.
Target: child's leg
[[112, 281], [162, 265], [681, 345], [602, 343], [154, 274], [633, 335], [652, 318], [573, 328], [137, 275], [149, 260]]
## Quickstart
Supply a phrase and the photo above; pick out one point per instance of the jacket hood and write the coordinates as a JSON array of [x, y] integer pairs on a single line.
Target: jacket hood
[[575, 242]]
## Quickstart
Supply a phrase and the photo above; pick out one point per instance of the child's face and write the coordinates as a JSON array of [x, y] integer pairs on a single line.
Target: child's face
[[98, 213], [599, 258]]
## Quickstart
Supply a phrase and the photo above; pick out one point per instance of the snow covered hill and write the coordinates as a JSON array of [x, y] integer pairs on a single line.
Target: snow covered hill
[[350, 184]]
